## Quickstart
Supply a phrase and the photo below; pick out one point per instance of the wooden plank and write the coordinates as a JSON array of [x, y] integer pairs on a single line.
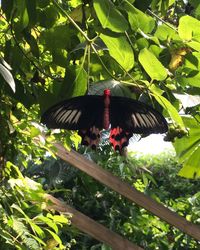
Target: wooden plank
[[91, 227], [127, 191]]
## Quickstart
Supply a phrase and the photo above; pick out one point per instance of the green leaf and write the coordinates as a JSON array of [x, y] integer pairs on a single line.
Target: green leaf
[[36, 229], [34, 132], [191, 79], [58, 37], [194, 45], [15, 206], [47, 17], [173, 113], [109, 16], [60, 219], [24, 21], [49, 222], [188, 149], [152, 65], [75, 83], [120, 50], [55, 236], [139, 20], [164, 32], [188, 28]]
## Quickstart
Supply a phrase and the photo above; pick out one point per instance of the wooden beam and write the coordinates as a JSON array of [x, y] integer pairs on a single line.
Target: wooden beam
[[91, 227], [92, 169]]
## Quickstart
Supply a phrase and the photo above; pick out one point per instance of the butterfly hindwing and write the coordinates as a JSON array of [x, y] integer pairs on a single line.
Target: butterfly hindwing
[[119, 138]]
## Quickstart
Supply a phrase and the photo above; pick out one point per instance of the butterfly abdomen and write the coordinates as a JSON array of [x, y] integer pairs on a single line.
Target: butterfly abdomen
[[106, 113]]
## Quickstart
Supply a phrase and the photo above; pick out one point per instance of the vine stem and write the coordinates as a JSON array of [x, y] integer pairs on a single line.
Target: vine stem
[[161, 20]]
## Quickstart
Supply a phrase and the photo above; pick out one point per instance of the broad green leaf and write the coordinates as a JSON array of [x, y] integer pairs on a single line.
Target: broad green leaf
[[75, 83], [152, 65], [138, 19], [47, 17], [24, 21], [120, 50], [173, 113], [58, 37], [7, 76], [164, 32], [109, 16], [188, 28], [188, 149]]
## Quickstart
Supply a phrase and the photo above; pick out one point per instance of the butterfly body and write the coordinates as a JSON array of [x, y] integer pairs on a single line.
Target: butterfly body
[[90, 114]]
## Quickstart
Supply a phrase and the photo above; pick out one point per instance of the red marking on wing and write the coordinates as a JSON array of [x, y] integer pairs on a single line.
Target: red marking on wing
[[119, 138], [90, 137]]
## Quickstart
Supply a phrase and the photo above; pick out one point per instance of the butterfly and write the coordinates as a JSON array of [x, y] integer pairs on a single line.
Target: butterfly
[[90, 114]]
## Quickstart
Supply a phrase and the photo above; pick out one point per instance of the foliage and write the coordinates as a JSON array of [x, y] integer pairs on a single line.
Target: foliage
[[52, 50], [25, 222]]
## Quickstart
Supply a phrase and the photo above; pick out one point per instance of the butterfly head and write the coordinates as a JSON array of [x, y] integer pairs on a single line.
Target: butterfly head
[[106, 92]]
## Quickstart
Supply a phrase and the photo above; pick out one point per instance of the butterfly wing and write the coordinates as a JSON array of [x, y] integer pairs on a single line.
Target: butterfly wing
[[77, 113], [130, 117], [135, 116]]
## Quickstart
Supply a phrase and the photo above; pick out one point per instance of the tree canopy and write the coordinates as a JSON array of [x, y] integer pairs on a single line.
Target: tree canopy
[[52, 50]]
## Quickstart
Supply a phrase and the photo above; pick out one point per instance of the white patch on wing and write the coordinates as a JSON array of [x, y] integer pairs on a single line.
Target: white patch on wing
[[77, 116], [154, 118], [142, 123], [135, 121], [146, 120]]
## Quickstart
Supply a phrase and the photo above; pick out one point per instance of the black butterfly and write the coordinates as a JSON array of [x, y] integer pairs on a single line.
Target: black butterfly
[[90, 114]]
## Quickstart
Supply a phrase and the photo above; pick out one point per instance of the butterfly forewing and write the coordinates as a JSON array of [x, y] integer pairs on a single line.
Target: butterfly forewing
[[135, 116], [77, 113]]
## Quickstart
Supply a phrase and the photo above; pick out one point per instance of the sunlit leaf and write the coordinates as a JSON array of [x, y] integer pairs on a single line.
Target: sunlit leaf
[[164, 32], [49, 222], [152, 65], [120, 50], [138, 19], [188, 28], [173, 113], [109, 16]]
